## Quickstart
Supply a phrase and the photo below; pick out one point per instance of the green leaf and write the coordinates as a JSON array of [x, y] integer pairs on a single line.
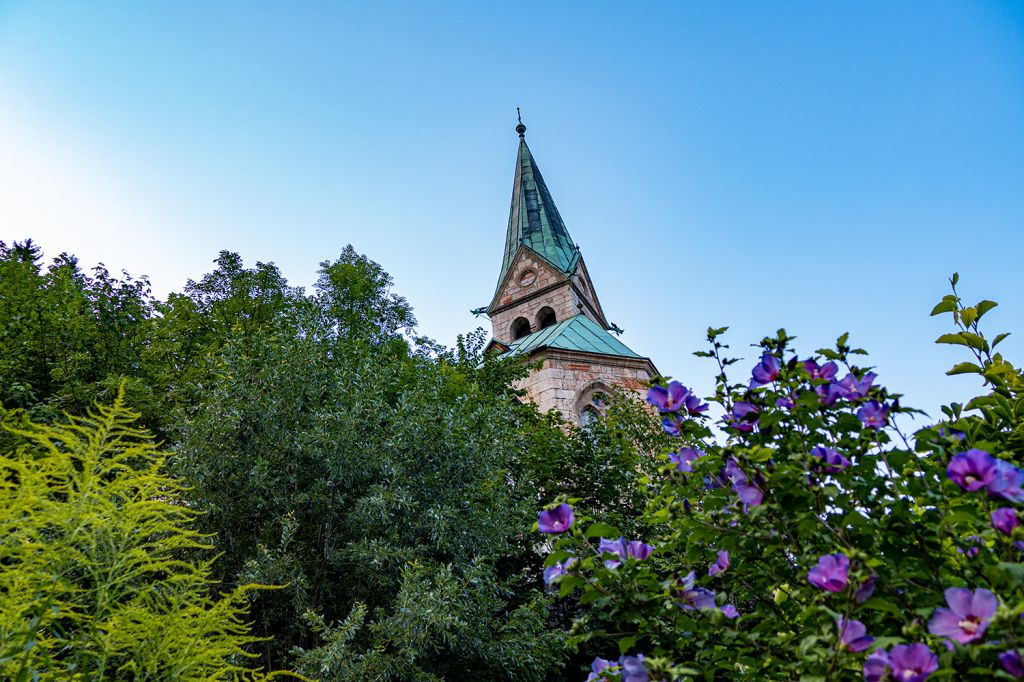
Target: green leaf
[[946, 305], [955, 278], [1015, 571], [602, 530], [886, 642], [999, 337], [964, 368], [985, 306], [969, 316], [961, 518], [882, 604], [568, 583], [557, 556], [626, 643], [975, 341], [952, 339]]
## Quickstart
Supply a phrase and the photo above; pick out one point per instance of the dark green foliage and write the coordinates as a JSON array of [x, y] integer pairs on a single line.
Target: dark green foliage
[[385, 482], [67, 339], [349, 470]]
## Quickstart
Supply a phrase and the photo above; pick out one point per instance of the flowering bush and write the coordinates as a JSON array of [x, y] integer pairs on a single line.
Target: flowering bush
[[811, 536]]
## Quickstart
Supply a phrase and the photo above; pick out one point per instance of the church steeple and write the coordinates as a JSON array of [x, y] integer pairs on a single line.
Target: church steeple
[[533, 219], [545, 308]]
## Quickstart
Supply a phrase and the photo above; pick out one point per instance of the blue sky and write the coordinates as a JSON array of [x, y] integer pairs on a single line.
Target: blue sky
[[818, 166]]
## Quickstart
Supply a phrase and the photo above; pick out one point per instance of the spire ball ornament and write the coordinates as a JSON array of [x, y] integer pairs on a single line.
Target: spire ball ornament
[[521, 129]]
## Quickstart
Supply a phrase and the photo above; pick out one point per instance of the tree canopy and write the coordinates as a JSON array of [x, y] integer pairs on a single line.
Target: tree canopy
[[383, 483]]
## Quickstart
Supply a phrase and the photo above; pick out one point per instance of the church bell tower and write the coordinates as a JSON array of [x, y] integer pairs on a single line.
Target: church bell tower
[[545, 308]]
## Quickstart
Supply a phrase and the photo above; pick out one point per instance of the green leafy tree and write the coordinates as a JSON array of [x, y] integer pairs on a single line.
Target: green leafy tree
[[385, 480], [377, 482], [66, 338], [355, 300]]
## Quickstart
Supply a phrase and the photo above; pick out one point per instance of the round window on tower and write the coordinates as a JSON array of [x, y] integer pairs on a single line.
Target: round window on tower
[[527, 278]]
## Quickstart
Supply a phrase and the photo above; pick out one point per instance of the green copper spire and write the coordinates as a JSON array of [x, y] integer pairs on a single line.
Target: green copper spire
[[533, 220]]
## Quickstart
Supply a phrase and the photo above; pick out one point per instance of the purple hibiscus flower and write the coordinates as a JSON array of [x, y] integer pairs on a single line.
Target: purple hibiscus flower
[[671, 425], [876, 667], [912, 662], [716, 481], [866, 589], [743, 416], [787, 403], [721, 563], [976, 469], [694, 597], [854, 389], [639, 550], [668, 399], [973, 546], [750, 494], [623, 549], [967, 617], [632, 669], [1005, 520], [559, 569], [730, 612], [693, 405], [1012, 662], [1007, 482], [765, 371], [853, 635], [685, 458], [617, 547], [831, 572], [972, 470], [828, 394], [833, 461], [951, 433], [557, 520], [597, 669], [827, 371], [874, 415]]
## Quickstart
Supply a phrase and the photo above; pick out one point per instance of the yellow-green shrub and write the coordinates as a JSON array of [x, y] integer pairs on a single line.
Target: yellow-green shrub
[[101, 571]]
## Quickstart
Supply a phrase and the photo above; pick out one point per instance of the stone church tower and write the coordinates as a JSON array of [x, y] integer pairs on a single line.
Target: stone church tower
[[545, 308]]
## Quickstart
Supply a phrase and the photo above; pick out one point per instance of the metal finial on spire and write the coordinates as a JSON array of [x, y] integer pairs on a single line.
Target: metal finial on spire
[[521, 129]]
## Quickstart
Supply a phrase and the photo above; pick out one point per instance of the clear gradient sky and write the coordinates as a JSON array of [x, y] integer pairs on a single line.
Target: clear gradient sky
[[818, 166]]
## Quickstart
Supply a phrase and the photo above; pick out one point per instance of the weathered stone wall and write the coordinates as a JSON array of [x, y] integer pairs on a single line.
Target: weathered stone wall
[[562, 298], [565, 377]]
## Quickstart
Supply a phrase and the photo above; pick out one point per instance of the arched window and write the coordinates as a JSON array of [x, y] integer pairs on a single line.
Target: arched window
[[520, 328], [592, 402], [546, 317]]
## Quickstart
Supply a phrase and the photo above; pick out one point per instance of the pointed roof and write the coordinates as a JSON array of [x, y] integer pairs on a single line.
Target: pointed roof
[[578, 333], [533, 220]]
